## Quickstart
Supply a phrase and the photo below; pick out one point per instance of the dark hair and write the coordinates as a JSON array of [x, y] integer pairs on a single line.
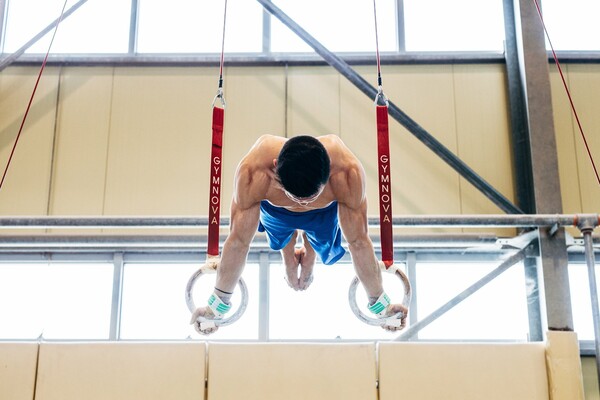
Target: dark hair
[[303, 166]]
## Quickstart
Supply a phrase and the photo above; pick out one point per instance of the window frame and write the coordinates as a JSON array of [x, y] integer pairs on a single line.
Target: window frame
[[267, 58], [189, 249]]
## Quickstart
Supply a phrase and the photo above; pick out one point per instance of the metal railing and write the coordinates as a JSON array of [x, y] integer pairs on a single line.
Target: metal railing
[[427, 221]]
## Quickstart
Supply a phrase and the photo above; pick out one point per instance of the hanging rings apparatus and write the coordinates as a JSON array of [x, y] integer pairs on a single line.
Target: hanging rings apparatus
[[391, 320], [202, 323]]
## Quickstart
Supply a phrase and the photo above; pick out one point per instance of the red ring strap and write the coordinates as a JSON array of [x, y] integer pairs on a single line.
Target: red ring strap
[[214, 202], [385, 186]]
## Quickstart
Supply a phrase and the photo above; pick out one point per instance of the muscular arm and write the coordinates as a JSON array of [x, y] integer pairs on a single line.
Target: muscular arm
[[233, 259], [251, 183], [352, 211], [354, 226], [349, 186], [244, 222]]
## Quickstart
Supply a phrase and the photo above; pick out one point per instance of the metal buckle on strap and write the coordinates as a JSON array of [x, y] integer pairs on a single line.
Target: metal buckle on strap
[[220, 96], [381, 95]]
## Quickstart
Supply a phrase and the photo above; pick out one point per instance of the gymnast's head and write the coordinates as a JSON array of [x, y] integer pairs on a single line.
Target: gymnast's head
[[303, 168]]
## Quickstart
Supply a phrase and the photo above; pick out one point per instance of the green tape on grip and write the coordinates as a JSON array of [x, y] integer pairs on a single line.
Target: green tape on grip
[[378, 308], [217, 306]]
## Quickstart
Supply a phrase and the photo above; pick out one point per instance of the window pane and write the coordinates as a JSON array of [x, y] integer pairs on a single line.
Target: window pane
[[154, 303], [496, 311], [573, 25], [78, 301], [581, 302], [62, 301], [85, 31], [341, 26], [190, 26], [22, 298], [22, 24], [460, 25], [322, 311]]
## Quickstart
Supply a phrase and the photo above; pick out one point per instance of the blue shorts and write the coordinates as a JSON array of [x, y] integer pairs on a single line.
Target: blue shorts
[[321, 228]]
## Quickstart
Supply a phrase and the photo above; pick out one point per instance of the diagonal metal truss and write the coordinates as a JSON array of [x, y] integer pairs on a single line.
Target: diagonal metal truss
[[412, 126], [422, 323], [6, 61]]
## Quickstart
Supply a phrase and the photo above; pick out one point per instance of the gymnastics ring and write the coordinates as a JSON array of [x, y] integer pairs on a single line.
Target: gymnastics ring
[[210, 268], [380, 321]]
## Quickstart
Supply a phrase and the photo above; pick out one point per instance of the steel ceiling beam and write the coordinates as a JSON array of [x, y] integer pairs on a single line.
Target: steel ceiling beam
[[535, 81], [518, 113]]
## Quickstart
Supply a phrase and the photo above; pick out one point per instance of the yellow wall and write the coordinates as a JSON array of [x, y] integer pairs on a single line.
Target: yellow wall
[[135, 141], [579, 187], [590, 378]]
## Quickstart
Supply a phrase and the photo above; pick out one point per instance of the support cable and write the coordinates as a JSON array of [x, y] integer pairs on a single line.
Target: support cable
[[568, 92], [383, 161], [218, 119], [12, 152]]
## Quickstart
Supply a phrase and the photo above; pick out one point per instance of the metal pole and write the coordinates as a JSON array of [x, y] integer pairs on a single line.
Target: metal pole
[[490, 220], [534, 310], [591, 267], [104, 222], [424, 221], [412, 126], [6, 61], [266, 33], [133, 27], [3, 12], [263, 293], [518, 114], [411, 269], [400, 26], [413, 329], [117, 298], [542, 150]]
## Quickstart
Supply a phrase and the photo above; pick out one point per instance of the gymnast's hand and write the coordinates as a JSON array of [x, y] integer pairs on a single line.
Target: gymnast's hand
[[392, 310], [203, 328], [303, 258]]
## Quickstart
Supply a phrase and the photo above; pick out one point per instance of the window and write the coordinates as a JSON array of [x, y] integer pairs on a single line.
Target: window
[[190, 26], [154, 302], [96, 27], [195, 27], [572, 25], [581, 302], [484, 314], [461, 25], [322, 311], [21, 310], [340, 26], [74, 301], [58, 301], [77, 301]]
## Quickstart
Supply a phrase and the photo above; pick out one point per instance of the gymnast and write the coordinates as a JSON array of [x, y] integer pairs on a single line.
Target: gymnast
[[308, 187]]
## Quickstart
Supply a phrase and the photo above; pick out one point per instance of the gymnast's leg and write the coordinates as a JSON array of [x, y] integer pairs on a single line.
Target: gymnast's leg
[[303, 257]]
